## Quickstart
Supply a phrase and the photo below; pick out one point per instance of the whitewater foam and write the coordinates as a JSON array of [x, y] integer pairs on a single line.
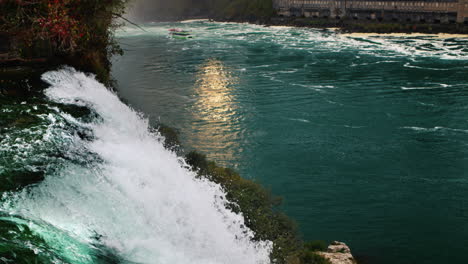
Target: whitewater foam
[[136, 197], [435, 129], [314, 40], [440, 85]]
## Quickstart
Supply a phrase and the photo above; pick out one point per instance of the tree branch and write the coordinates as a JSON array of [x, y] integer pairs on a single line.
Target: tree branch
[[120, 16]]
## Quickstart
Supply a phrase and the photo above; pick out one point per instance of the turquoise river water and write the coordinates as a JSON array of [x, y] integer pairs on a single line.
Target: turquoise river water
[[365, 137]]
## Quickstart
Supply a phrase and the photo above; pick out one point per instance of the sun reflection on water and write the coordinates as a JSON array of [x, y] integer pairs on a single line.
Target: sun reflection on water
[[214, 92], [216, 109]]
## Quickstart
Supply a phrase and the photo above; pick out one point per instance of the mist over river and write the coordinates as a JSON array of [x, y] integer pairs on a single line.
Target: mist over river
[[366, 138]]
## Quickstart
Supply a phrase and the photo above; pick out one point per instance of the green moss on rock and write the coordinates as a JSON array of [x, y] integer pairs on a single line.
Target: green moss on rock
[[171, 137], [316, 245]]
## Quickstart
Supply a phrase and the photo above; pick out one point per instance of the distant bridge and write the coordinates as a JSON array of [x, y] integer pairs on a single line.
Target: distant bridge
[[430, 11]]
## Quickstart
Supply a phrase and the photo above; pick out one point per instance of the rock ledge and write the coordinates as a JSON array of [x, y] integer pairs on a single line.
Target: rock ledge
[[338, 253]]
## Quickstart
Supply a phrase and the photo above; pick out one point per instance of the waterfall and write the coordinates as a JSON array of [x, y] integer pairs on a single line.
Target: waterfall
[[122, 189]]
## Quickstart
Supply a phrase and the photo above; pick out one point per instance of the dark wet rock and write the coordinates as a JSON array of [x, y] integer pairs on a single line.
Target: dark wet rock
[[20, 81], [17, 179], [25, 121], [15, 120]]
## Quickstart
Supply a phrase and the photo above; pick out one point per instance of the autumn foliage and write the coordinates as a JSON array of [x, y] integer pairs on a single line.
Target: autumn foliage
[[60, 25], [68, 25]]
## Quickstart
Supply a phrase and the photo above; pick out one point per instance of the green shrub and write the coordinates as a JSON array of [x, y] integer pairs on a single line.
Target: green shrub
[[171, 137], [316, 245]]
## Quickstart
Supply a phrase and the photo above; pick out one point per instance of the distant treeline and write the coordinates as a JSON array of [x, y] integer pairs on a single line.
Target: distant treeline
[[223, 9]]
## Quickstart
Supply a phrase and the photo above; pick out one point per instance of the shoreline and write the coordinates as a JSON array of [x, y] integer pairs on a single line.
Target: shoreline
[[369, 26], [415, 34], [347, 26], [351, 28]]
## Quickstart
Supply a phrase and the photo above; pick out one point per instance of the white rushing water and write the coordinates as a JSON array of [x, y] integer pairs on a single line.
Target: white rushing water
[[312, 40], [138, 198]]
